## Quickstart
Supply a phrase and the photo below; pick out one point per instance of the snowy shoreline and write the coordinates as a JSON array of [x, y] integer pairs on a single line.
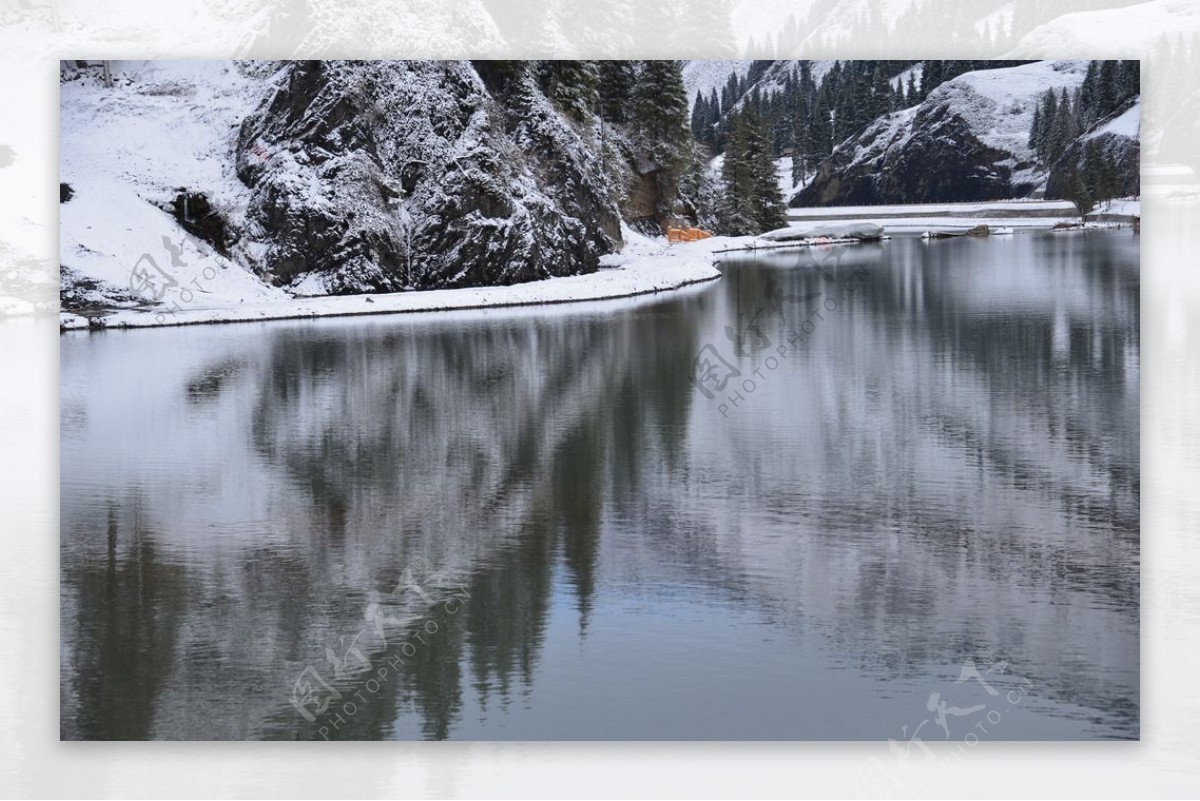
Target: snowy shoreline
[[623, 276]]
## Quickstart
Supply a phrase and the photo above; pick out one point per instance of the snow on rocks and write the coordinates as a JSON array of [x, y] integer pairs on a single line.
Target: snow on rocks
[[998, 105], [968, 139]]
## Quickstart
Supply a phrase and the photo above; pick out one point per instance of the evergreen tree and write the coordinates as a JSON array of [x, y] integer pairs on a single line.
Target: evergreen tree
[[1107, 89], [699, 115], [1100, 180], [1108, 181], [660, 103], [753, 202], [1131, 78], [736, 214], [574, 85], [1063, 131], [931, 78], [1088, 94], [1091, 177], [712, 135], [617, 81], [1046, 116], [757, 70], [1077, 192], [706, 115], [882, 100]]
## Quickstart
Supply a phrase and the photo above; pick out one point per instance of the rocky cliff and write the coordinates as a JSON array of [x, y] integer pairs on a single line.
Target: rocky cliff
[[384, 176], [968, 140], [1107, 156]]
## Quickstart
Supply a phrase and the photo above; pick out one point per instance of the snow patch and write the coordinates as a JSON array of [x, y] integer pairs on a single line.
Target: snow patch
[[1126, 124]]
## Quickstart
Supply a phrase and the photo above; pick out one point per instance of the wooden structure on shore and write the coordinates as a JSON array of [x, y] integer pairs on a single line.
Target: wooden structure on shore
[[687, 235]]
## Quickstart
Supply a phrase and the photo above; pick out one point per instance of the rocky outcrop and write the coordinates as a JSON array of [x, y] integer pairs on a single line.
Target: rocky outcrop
[[1107, 157], [967, 141], [385, 176], [932, 158]]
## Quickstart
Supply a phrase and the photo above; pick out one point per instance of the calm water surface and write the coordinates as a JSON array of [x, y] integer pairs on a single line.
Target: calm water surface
[[915, 505]]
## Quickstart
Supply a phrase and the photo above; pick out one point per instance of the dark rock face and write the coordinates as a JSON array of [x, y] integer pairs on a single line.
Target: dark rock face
[[1124, 152], [384, 176], [934, 157], [196, 215]]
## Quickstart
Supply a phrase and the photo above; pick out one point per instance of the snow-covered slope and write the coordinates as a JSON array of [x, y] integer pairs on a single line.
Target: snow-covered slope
[[706, 75], [125, 151], [1126, 122], [968, 140], [247, 182], [777, 74]]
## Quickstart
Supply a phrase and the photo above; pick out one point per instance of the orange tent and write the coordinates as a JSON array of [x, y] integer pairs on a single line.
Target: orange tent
[[686, 234]]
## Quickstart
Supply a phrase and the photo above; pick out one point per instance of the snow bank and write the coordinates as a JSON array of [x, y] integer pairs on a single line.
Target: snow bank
[[1120, 207], [108, 232], [645, 266]]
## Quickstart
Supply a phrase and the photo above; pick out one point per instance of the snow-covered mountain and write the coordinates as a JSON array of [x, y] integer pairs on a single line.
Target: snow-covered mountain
[[968, 140]]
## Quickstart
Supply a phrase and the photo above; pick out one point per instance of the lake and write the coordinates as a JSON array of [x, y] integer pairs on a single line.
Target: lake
[[900, 501]]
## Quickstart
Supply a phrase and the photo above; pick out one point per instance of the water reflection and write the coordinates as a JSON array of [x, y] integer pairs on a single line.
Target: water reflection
[[947, 461]]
